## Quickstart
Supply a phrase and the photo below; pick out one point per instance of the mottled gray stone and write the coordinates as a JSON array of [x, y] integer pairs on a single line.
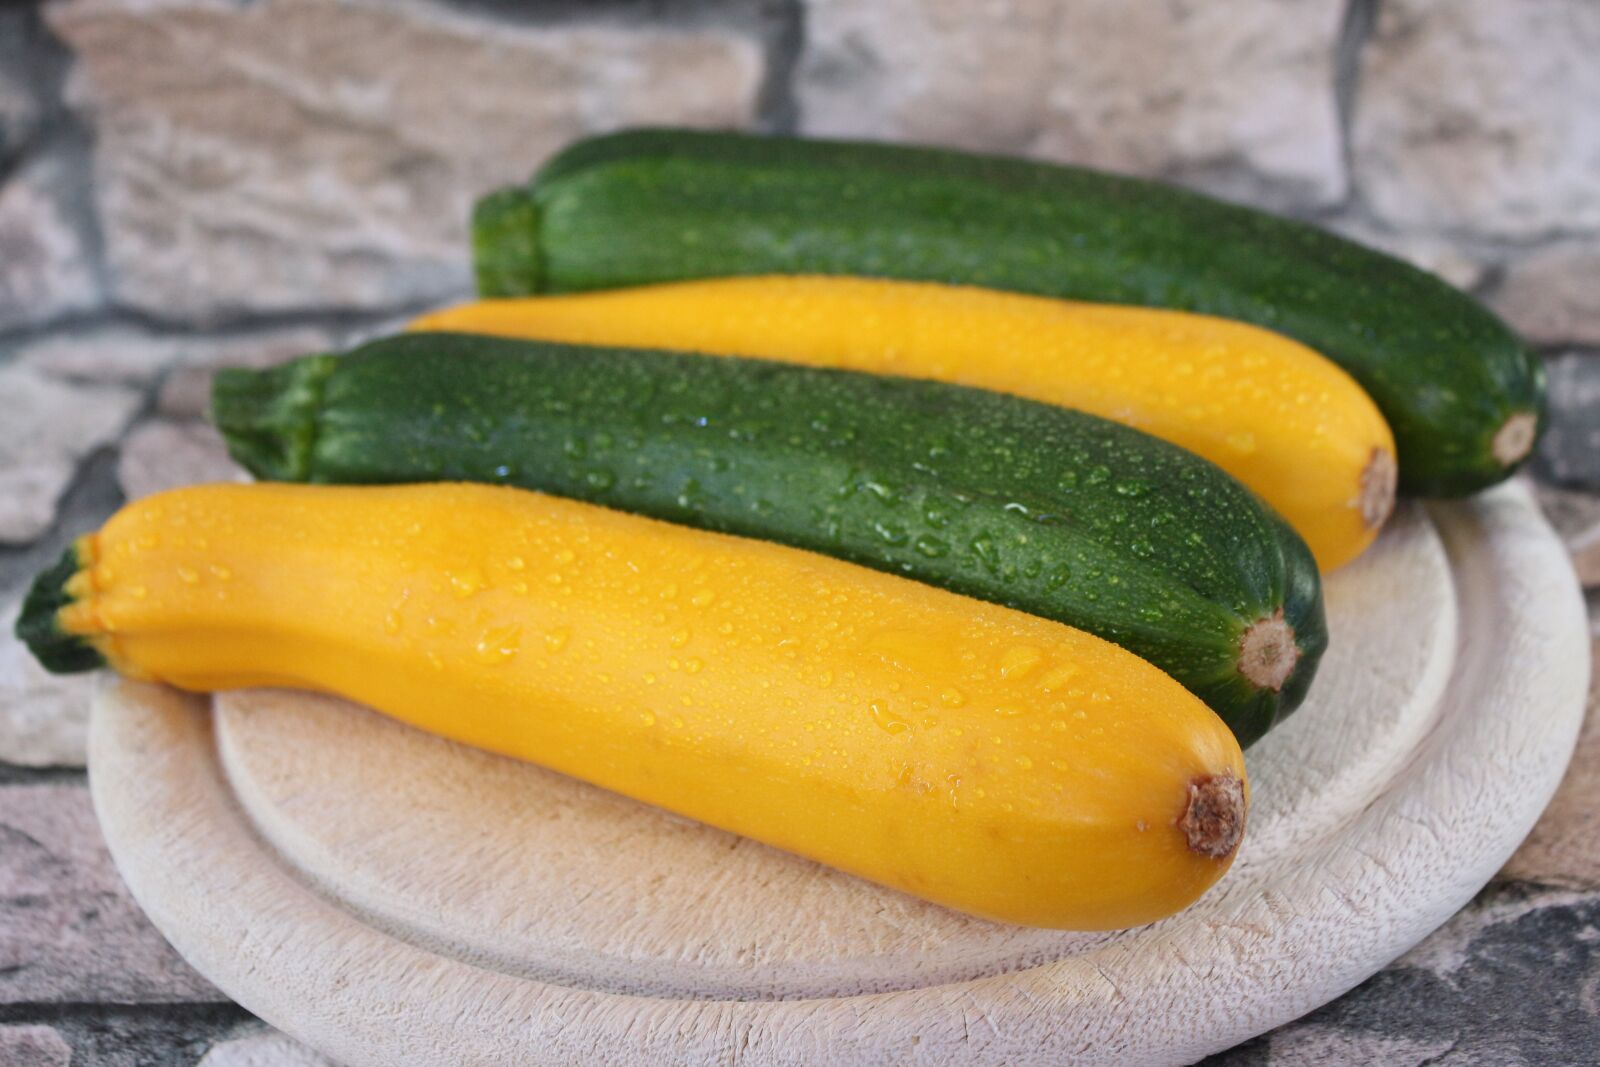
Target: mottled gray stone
[[115, 352], [43, 716], [136, 355], [148, 1035], [161, 455], [50, 426], [1437, 255], [1576, 518], [1323, 1046], [1569, 453], [70, 932], [1564, 848], [87, 503], [1479, 115], [187, 391], [1552, 294], [21, 97], [33, 1046], [264, 1048], [1225, 95], [46, 270], [31, 66], [289, 154]]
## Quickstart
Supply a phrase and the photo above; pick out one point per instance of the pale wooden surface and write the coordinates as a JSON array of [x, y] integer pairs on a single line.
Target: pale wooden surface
[[389, 897]]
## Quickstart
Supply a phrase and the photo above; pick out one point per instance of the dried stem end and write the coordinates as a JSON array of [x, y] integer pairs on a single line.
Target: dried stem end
[[1378, 481], [1213, 820], [1514, 439], [1267, 652]]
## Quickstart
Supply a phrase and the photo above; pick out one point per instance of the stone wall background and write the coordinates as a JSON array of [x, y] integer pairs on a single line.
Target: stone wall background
[[189, 183]]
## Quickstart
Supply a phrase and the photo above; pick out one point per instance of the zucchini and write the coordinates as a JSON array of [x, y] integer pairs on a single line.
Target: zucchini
[[1462, 394], [1036, 507], [872, 723]]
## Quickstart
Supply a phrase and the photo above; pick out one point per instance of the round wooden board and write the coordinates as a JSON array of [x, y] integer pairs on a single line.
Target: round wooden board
[[392, 898]]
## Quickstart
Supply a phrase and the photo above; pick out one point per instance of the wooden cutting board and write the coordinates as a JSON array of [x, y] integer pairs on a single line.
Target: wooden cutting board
[[391, 898]]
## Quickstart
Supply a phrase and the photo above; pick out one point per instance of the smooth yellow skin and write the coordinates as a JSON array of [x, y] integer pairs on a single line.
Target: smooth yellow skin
[[1282, 419], [970, 754]]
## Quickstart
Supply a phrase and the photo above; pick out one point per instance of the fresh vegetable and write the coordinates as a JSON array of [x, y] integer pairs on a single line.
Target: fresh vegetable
[[1461, 393], [1284, 421], [1036, 507], [976, 756]]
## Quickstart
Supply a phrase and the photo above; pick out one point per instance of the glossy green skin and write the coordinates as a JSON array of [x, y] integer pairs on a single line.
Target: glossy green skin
[[1037, 507], [661, 205]]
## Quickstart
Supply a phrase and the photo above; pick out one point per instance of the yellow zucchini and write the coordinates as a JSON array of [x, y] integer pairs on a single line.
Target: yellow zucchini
[[1286, 422], [999, 763]]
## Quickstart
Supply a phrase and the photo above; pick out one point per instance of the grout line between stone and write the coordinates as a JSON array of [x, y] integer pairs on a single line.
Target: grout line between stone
[[113, 315], [778, 105], [89, 499], [24, 774], [1360, 16], [43, 1010]]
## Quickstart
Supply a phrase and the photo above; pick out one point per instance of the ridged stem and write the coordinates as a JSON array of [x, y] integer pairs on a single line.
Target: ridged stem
[[269, 418], [505, 244], [39, 625]]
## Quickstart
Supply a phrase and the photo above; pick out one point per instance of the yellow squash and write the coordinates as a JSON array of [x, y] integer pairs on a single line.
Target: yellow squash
[[1276, 415], [989, 760]]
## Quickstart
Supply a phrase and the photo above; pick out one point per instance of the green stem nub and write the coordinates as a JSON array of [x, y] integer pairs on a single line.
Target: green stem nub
[[269, 417], [505, 244], [39, 625]]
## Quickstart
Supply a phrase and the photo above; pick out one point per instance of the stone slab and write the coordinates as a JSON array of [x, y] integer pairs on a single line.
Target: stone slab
[[1549, 293], [162, 454], [1238, 98], [43, 716], [47, 268], [70, 933], [51, 425], [1569, 452], [33, 1046], [289, 154], [1478, 115]]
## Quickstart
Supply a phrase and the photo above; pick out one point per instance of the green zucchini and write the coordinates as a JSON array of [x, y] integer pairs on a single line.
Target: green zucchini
[[1462, 393], [1025, 504]]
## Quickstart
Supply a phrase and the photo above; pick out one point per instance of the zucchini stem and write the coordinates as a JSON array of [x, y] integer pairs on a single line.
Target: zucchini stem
[[1379, 479], [1213, 819], [39, 625], [1515, 437], [269, 418], [1268, 653], [505, 244]]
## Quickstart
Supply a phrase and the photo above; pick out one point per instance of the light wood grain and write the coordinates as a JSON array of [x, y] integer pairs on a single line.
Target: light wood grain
[[393, 898]]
